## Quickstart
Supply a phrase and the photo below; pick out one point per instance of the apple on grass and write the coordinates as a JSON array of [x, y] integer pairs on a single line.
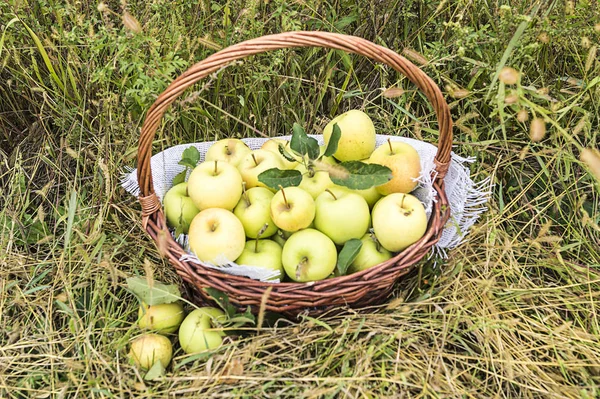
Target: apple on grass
[[149, 348], [231, 151], [371, 254], [215, 184], [404, 162], [314, 181], [309, 255], [357, 140], [217, 236], [265, 254], [292, 209], [341, 214], [399, 220], [255, 163], [254, 211], [179, 208], [273, 146], [199, 331], [163, 318]]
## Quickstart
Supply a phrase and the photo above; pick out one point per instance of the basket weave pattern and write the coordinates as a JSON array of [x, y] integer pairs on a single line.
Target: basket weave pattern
[[360, 289]]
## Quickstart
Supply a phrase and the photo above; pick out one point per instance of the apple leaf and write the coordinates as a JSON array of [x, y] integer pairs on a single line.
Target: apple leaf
[[304, 145], [362, 175], [347, 255], [156, 372], [190, 157], [334, 139], [274, 177], [180, 177], [154, 294], [285, 154]]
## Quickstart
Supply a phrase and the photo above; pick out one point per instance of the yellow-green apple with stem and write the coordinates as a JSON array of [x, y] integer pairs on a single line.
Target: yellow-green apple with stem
[[273, 146], [263, 253], [254, 211], [357, 140], [179, 207], [228, 150], [257, 162], [314, 180], [309, 255], [292, 209], [341, 214], [404, 162], [216, 236], [399, 220], [371, 254], [200, 330], [163, 318], [215, 184], [147, 349]]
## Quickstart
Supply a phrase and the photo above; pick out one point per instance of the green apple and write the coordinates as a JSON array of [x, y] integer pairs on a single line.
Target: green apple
[[371, 254], [215, 184], [257, 162], [405, 163], [341, 214], [399, 220], [292, 209], [229, 150], [262, 253], [149, 348], [314, 181], [357, 140], [179, 207], [163, 318], [216, 236], [273, 146], [309, 255], [254, 211], [199, 331]]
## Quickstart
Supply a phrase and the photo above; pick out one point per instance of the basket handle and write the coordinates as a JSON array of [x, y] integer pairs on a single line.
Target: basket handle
[[351, 44]]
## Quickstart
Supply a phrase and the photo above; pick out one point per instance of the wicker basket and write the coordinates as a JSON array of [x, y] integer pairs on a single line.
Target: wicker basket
[[368, 287]]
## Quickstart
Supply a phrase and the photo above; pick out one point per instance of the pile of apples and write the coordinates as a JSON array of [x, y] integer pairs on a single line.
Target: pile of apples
[[233, 211]]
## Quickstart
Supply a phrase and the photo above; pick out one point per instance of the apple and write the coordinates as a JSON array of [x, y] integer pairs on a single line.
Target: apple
[[199, 331], [292, 209], [262, 253], [399, 220], [215, 184], [405, 163], [309, 255], [371, 254], [163, 318], [217, 236], [179, 207], [273, 146], [314, 181], [228, 150], [341, 214], [257, 162], [149, 348], [357, 140], [254, 211]]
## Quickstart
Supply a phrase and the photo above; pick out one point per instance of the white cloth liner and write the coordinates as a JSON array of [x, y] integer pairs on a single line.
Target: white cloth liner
[[467, 199]]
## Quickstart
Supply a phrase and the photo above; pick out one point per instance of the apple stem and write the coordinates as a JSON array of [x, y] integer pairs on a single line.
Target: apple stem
[[332, 194], [390, 144], [245, 194], [284, 197], [255, 161], [300, 267]]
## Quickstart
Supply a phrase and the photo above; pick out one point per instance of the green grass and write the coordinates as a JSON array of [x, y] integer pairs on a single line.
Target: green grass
[[511, 313]]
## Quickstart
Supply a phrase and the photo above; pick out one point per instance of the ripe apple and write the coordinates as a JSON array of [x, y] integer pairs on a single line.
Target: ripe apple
[[357, 140], [309, 255], [405, 163], [314, 181], [217, 236], [292, 209], [371, 254], [228, 150], [273, 146], [215, 184], [399, 220], [199, 331], [149, 348], [179, 207], [257, 162], [341, 214], [254, 211], [262, 253], [164, 318]]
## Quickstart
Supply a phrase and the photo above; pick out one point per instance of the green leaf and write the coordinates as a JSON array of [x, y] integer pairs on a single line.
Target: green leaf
[[274, 177], [156, 372], [190, 157], [333, 141], [180, 178], [153, 295], [304, 145], [347, 255], [362, 175], [285, 154]]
